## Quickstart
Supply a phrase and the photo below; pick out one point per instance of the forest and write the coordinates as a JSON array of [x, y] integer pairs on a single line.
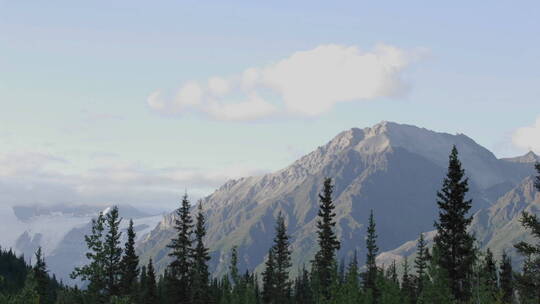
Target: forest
[[453, 270]]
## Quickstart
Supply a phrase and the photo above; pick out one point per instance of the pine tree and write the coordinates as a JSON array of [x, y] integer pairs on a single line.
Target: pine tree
[[233, 266], [421, 263], [455, 244], [370, 276], [129, 264], [489, 278], [94, 271], [42, 278], [324, 265], [302, 288], [181, 252], [282, 254], [351, 288], [537, 179], [201, 275], [436, 285], [143, 281], [408, 290], [528, 282], [150, 294], [112, 252], [506, 279], [269, 279]]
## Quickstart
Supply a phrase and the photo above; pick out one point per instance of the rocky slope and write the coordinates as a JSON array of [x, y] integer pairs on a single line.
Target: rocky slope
[[391, 168]]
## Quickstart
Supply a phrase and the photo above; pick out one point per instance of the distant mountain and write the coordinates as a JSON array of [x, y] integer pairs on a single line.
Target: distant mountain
[[59, 230], [392, 168], [497, 227]]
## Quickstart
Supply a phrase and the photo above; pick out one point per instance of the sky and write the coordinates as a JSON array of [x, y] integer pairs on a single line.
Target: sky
[[136, 102]]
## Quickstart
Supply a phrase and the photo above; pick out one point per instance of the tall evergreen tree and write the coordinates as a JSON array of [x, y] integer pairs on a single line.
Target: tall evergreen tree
[[436, 285], [528, 282], [129, 264], [422, 259], [489, 279], [408, 290], [455, 244], [201, 275], [370, 276], [282, 254], [94, 271], [112, 252], [506, 279], [233, 266], [351, 289], [181, 253], [42, 278], [302, 288], [324, 265], [269, 293], [150, 293]]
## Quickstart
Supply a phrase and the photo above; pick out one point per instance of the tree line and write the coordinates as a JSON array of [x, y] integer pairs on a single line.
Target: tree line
[[452, 269]]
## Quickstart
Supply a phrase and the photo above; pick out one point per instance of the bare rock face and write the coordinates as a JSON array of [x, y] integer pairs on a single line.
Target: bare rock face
[[391, 168]]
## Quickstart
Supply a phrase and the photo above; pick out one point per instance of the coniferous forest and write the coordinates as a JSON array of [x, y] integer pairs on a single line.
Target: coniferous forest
[[453, 270]]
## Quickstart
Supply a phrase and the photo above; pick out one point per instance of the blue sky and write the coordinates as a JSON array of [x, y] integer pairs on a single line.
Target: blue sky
[[77, 80]]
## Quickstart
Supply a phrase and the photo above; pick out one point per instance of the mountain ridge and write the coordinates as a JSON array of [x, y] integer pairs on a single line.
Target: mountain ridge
[[391, 168]]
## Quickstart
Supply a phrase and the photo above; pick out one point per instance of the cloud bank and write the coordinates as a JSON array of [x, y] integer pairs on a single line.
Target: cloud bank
[[528, 138], [39, 178], [307, 83]]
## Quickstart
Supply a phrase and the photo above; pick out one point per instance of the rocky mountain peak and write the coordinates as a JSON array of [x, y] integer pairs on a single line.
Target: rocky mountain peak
[[529, 157]]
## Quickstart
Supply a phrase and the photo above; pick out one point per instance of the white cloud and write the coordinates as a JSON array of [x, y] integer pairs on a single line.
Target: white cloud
[[28, 178], [307, 83], [528, 138]]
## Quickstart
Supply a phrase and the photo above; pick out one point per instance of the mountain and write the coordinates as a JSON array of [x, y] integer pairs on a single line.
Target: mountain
[[59, 230], [497, 227], [394, 169]]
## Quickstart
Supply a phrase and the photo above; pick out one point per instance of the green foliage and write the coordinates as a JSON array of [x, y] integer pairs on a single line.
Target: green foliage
[[200, 273], [455, 244], [129, 266], [370, 276], [181, 253], [436, 287], [276, 283], [94, 271], [528, 282], [150, 292], [506, 279], [325, 258]]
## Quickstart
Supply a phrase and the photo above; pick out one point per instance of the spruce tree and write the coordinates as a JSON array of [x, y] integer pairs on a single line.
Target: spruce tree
[[408, 290], [421, 262], [303, 293], [129, 264], [269, 279], [351, 288], [282, 254], [324, 265], [455, 244], [42, 278], [528, 282], [506, 279], [150, 293], [489, 275], [201, 275], [436, 285], [233, 266], [94, 271], [370, 276], [181, 253], [112, 252]]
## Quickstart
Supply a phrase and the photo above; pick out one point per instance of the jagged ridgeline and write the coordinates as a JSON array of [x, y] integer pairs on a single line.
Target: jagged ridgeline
[[394, 169]]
